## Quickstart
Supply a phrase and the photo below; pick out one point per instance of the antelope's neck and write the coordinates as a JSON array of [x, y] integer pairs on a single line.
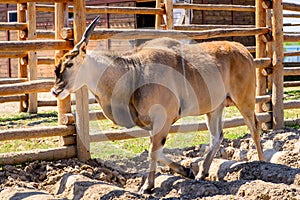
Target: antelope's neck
[[93, 69]]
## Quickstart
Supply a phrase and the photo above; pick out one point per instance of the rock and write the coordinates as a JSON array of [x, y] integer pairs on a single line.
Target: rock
[[262, 190], [17, 193]]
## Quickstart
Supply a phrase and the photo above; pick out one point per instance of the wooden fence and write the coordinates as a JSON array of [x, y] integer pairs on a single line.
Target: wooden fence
[[268, 61]]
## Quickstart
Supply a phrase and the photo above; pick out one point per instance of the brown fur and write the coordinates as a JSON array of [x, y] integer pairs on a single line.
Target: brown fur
[[166, 80]]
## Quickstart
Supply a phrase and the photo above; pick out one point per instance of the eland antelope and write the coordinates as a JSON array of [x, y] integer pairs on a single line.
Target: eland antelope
[[162, 81]]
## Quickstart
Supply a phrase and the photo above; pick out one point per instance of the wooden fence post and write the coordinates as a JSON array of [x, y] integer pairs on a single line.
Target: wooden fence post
[[261, 81], [22, 67], [82, 102], [158, 18], [64, 106], [169, 14], [32, 55], [278, 56]]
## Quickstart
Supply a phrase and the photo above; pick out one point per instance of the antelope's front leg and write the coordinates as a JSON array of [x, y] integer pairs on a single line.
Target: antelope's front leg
[[155, 150]]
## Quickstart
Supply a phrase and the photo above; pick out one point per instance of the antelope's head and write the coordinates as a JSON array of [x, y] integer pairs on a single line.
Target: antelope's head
[[68, 67]]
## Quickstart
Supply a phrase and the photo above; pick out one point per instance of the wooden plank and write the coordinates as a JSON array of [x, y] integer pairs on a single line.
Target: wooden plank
[[25, 1], [61, 21], [41, 45], [291, 6], [36, 132], [45, 34], [12, 80], [158, 18], [46, 61], [262, 62], [150, 34], [82, 108], [38, 154], [16, 98], [291, 84], [109, 10], [200, 27], [26, 87], [169, 14], [291, 37], [291, 71], [224, 7], [293, 53], [292, 104], [13, 54], [277, 86], [12, 26], [261, 80], [22, 67], [179, 128], [32, 56]]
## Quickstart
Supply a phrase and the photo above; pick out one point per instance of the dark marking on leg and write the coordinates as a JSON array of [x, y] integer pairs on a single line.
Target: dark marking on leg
[[163, 141]]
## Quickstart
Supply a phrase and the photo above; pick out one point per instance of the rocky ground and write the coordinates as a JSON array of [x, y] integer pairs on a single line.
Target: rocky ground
[[235, 174]]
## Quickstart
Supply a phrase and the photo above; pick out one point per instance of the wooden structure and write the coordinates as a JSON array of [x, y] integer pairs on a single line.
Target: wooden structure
[[269, 63]]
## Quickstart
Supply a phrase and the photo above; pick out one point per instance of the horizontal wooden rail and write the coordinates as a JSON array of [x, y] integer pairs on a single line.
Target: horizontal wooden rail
[[93, 116], [43, 34], [26, 87], [52, 154], [123, 10], [36, 132], [291, 104], [35, 45], [13, 54], [108, 10], [12, 26], [12, 80], [223, 7], [99, 115], [43, 103], [149, 33], [41, 1], [15, 98], [291, 71], [181, 128], [292, 53], [263, 99], [262, 62], [46, 61], [291, 37], [291, 84], [291, 6], [291, 15], [197, 27]]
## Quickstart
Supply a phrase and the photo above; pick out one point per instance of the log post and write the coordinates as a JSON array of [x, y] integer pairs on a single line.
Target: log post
[[61, 21], [261, 82], [32, 56], [82, 107], [158, 18], [169, 14], [22, 68], [277, 86]]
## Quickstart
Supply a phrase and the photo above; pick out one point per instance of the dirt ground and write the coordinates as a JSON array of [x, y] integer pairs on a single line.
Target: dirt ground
[[234, 174]]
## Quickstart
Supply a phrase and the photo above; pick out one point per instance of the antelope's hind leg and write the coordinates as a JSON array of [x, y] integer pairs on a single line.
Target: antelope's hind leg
[[215, 125]]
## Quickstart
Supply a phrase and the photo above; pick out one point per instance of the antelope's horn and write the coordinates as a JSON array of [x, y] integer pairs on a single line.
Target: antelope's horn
[[87, 34]]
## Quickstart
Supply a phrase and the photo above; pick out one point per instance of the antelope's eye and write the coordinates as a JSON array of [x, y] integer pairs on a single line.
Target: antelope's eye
[[69, 65]]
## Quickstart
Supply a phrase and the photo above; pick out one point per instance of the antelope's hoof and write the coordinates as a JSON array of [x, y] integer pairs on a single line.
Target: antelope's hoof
[[189, 173], [146, 189], [201, 177]]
